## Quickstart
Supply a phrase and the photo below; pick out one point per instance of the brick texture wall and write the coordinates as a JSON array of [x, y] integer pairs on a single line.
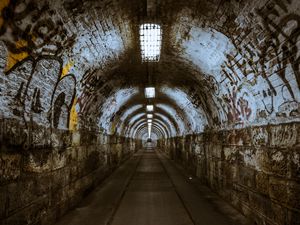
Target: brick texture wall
[[256, 169], [41, 182]]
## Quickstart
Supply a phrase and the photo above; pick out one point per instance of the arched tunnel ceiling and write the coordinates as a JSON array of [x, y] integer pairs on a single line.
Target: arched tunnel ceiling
[[224, 64]]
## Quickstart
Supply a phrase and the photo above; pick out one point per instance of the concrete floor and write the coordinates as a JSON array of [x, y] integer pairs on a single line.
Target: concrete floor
[[150, 190]]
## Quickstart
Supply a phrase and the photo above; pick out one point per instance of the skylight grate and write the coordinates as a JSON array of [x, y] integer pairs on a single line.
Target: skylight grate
[[150, 37]]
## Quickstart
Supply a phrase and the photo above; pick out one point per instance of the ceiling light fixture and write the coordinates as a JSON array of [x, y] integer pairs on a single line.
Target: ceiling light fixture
[[149, 116], [150, 92], [149, 132], [150, 108], [150, 38]]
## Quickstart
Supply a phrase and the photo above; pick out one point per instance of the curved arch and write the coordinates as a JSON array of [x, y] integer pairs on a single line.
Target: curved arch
[[144, 121], [144, 129], [173, 129], [144, 124], [134, 105], [137, 122], [171, 120], [159, 123]]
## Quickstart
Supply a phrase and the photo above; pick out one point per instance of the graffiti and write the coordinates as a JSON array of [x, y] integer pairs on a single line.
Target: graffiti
[[275, 136], [30, 29], [242, 64], [34, 91], [213, 85], [280, 52], [88, 100], [238, 107], [283, 38], [269, 57], [266, 59], [283, 136], [290, 108], [259, 136], [285, 43], [202, 100], [268, 101]]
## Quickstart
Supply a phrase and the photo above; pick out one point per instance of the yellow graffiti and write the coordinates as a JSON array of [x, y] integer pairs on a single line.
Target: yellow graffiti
[[3, 4], [66, 68], [73, 117], [73, 114], [113, 127], [13, 58]]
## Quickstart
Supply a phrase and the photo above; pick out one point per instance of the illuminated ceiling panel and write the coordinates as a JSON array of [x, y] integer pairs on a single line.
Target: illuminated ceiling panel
[[149, 116], [150, 108], [150, 92], [150, 37]]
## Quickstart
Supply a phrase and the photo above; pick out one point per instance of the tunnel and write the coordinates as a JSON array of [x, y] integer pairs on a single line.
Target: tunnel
[[133, 112]]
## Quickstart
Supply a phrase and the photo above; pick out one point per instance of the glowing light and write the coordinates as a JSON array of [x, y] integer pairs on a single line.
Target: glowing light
[[149, 116], [150, 92], [149, 120], [150, 108], [149, 132], [150, 37], [149, 127]]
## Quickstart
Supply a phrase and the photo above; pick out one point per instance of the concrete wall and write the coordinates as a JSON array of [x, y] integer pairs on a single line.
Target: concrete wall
[[40, 182], [256, 169]]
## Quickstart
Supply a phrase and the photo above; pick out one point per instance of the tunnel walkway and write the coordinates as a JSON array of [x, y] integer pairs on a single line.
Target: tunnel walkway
[[150, 190]]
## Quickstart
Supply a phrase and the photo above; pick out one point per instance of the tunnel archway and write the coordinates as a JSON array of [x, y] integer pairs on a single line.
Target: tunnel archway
[[73, 107]]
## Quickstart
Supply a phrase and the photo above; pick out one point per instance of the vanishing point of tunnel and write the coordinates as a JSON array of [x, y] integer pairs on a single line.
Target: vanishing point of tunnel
[[149, 112]]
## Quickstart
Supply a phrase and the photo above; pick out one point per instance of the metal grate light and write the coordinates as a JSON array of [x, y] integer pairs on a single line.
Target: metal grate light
[[150, 37]]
